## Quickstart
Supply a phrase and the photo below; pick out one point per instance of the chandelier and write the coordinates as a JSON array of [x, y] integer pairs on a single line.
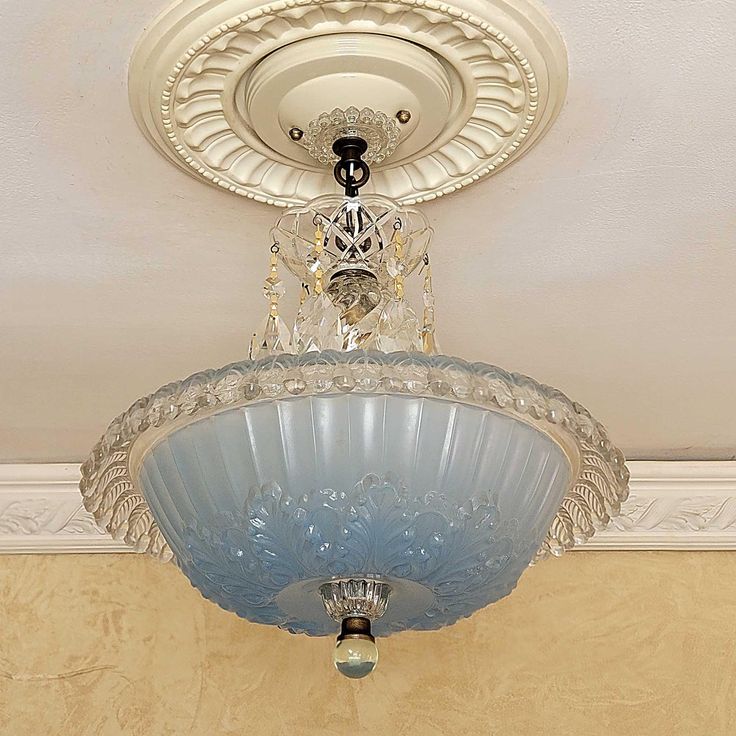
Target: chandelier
[[348, 477]]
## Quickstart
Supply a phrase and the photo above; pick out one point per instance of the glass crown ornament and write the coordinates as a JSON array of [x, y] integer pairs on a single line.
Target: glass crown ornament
[[348, 477]]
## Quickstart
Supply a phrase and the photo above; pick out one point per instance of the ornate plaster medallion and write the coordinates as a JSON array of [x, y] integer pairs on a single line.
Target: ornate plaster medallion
[[220, 86]]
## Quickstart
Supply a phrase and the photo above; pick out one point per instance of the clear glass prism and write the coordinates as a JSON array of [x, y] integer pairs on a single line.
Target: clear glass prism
[[317, 325], [274, 337], [398, 328]]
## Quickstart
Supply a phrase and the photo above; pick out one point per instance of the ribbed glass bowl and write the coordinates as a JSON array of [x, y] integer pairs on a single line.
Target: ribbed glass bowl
[[264, 479]]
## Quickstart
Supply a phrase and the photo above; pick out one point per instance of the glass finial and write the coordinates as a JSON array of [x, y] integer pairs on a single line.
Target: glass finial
[[356, 653], [355, 603]]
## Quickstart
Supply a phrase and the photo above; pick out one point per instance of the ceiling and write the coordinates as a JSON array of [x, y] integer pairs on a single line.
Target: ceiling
[[602, 263]]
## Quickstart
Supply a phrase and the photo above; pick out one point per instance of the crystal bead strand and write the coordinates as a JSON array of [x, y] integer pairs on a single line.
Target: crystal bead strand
[[396, 266], [319, 248], [275, 336], [317, 325], [398, 326], [429, 340]]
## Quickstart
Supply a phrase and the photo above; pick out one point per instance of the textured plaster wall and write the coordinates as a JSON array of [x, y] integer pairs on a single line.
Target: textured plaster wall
[[596, 644]]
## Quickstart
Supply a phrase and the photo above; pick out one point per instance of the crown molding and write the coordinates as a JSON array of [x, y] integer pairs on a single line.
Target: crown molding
[[672, 506], [41, 512], [676, 506]]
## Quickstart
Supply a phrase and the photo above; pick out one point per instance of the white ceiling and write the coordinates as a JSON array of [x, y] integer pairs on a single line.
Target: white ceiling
[[602, 263]]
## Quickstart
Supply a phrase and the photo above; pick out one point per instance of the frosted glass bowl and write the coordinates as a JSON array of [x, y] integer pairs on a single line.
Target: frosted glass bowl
[[265, 479]]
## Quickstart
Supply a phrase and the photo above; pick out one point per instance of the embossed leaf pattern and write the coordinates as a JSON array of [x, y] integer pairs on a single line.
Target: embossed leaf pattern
[[467, 555]]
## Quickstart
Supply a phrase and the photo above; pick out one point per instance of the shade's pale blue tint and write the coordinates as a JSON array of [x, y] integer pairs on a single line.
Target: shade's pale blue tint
[[448, 501]]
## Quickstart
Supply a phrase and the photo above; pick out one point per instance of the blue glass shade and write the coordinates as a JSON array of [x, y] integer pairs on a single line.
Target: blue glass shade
[[263, 479], [447, 501]]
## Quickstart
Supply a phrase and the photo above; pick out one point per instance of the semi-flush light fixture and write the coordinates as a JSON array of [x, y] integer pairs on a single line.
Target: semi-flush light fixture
[[348, 476]]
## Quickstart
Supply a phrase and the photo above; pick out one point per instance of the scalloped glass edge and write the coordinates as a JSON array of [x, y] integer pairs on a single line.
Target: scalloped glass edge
[[111, 495]]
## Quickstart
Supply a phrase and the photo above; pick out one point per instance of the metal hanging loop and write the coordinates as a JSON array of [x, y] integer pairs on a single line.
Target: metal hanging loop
[[351, 172]]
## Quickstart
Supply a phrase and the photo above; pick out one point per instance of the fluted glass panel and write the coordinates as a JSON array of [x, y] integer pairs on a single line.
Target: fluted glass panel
[[447, 500]]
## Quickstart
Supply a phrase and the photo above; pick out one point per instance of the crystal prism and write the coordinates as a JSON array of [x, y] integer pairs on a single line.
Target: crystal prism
[[362, 334], [314, 264], [317, 325], [429, 342], [398, 328], [274, 337], [273, 288], [395, 267]]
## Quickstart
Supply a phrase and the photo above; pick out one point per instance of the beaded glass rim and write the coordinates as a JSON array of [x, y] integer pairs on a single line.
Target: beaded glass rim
[[109, 476]]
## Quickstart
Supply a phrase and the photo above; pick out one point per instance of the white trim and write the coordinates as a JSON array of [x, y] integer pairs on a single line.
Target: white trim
[[41, 511], [673, 505]]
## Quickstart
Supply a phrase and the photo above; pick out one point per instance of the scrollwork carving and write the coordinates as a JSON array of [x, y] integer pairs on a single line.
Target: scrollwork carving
[[680, 514], [36, 516]]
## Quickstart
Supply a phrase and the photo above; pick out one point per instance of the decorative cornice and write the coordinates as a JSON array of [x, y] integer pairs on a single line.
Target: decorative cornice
[[677, 506], [672, 506], [41, 511]]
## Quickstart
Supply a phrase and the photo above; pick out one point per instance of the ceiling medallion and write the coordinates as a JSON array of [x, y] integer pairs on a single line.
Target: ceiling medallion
[[217, 86], [347, 476]]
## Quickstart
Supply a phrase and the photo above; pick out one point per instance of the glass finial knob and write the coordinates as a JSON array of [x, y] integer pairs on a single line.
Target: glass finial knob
[[356, 653]]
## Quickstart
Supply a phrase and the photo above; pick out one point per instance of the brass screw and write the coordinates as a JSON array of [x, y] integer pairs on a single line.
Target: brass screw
[[403, 116], [296, 134]]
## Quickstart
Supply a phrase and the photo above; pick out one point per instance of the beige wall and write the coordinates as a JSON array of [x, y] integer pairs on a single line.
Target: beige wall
[[594, 644]]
